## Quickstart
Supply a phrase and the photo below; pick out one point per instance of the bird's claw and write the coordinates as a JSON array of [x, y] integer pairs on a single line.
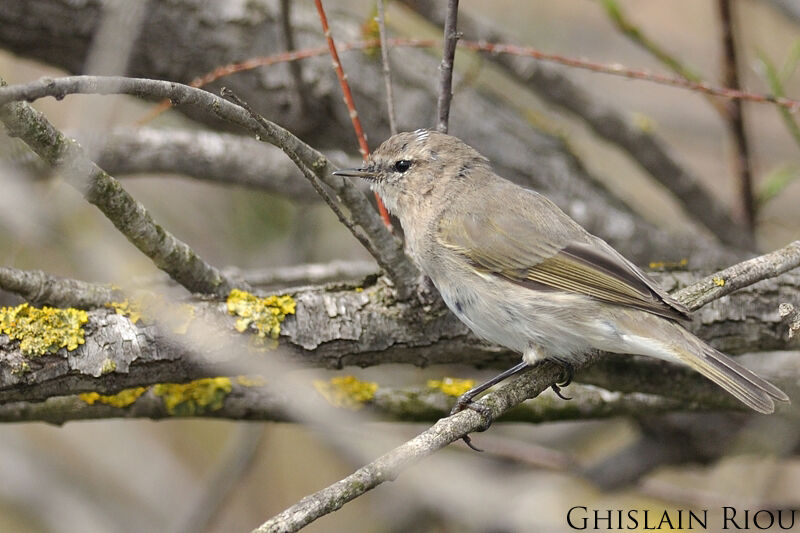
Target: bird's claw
[[465, 402]]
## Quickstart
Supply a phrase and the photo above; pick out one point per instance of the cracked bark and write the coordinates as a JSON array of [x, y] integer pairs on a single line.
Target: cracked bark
[[337, 325]]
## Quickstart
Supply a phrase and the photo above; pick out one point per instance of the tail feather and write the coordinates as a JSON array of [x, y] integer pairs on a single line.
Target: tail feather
[[752, 390]]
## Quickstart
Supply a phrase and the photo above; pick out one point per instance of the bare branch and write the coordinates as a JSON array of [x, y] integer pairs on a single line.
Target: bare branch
[[406, 404], [387, 69], [735, 118], [741, 275], [294, 67], [390, 465], [399, 268], [40, 288], [168, 253], [358, 324], [643, 147], [450, 39], [348, 100]]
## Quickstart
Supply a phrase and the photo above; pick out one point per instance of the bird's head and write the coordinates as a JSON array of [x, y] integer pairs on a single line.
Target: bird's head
[[411, 170]]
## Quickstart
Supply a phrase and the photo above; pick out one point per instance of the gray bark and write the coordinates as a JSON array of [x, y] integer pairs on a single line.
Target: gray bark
[[337, 326]]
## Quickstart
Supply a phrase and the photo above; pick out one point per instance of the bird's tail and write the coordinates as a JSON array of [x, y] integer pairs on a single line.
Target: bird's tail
[[753, 391]]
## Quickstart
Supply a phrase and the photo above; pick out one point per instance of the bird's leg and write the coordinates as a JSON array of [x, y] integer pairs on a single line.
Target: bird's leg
[[568, 370], [465, 400]]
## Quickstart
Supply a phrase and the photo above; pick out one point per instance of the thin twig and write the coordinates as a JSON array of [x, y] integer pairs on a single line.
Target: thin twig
[[387, 69], [391, 255], [494, 48], [130, 217], [740, 275], [317, 184], [528, 385], [348, 100], [638, 37], [446, 67], [294, 67], [735, 118]]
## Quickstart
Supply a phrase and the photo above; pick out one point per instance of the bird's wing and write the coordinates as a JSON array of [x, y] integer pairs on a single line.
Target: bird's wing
[[509, 241]]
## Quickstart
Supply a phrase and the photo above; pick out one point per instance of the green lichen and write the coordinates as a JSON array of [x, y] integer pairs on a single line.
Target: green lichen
[[194, 398], [451, 386], [121, 399], [45, 330], [265, 314], [346, 391]]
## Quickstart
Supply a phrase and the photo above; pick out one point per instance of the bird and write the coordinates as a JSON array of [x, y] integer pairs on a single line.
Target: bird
[[522, 274]]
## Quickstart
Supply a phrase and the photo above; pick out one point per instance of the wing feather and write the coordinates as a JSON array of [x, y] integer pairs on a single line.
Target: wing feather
[[532, 251]]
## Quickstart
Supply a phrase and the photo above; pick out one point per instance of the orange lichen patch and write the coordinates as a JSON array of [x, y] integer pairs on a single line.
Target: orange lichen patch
[[45, 330]]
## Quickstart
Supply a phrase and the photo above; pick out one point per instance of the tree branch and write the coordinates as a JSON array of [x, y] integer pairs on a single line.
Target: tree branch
[[450, 39], [130, 217], [390, 252], [643, 147], [387, 467]]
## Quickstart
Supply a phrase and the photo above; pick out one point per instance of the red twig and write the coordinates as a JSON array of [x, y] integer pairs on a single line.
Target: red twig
[[348, 100], [614, 70]]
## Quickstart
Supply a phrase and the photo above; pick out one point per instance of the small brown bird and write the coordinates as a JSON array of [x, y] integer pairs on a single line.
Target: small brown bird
[[522, 274]]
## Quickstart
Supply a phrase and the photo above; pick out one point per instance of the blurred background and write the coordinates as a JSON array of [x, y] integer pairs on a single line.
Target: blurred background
[[126, 475]]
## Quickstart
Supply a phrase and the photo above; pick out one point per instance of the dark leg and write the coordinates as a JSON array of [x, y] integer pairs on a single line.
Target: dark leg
[[569, 372], [465, 400]]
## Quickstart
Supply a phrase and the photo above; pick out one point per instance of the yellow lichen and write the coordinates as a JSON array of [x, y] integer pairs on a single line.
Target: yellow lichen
[[194, 398], [108, 367], [451, 386], [132, 310], [265, 314], [719, 282], [251, 381], [121, 399], [669, 265], [643, 122], [346, 391], [45, 330]]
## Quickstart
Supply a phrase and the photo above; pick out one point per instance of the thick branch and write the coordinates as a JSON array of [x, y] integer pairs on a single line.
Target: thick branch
[[413, 404], [342, 325]]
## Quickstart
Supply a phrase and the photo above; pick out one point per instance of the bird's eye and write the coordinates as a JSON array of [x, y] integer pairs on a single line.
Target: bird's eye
[[402, 165]]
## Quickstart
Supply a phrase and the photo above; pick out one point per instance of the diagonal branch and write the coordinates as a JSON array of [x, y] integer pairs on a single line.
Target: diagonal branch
[[348, 100], [130, 217], [399, 268], [528, 385]]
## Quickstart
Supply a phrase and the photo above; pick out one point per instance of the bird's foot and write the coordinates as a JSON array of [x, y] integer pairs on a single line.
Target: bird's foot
[[465, 402], [568, 372]]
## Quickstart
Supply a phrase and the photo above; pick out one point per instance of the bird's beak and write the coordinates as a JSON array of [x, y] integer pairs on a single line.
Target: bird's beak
[[355, 173]]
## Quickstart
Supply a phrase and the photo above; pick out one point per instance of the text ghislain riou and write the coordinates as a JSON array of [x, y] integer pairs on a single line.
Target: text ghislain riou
[[583, 518]]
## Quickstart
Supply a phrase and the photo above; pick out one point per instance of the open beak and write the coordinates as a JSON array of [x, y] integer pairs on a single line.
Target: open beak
[[355, 173]]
